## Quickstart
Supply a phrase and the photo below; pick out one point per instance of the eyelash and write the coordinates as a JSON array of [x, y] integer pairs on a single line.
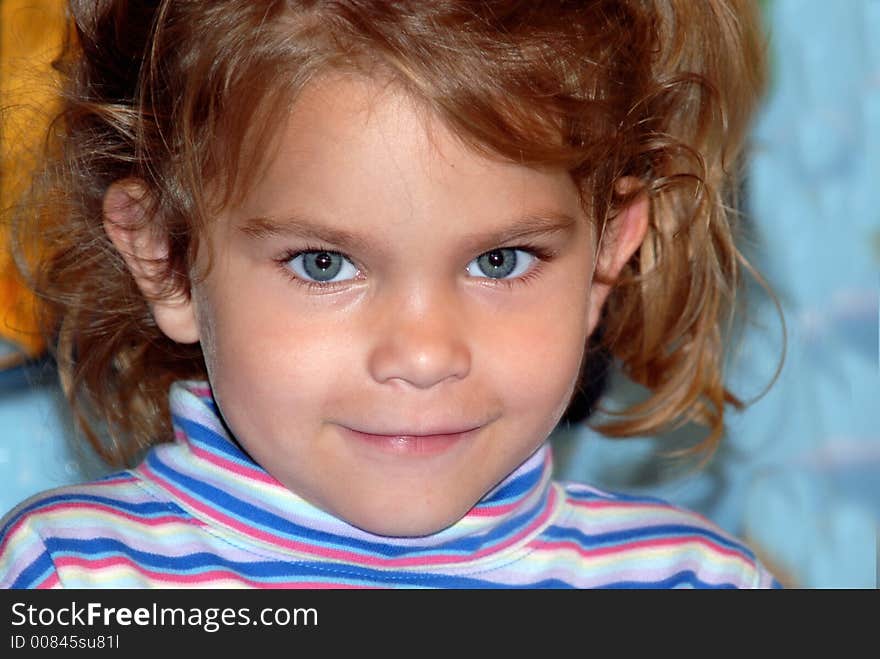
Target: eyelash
[[541, 254]]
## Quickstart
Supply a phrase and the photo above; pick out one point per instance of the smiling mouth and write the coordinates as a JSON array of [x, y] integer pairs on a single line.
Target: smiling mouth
[[412, 444]]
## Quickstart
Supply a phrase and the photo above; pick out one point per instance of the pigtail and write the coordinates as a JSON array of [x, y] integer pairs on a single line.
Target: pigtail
[[667, 321]]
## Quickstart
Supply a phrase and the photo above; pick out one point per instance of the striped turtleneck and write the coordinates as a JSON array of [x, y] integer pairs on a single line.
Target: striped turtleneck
[[200, 512]]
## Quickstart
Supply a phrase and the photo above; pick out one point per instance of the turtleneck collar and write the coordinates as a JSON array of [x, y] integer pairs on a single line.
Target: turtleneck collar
[[207, 473]]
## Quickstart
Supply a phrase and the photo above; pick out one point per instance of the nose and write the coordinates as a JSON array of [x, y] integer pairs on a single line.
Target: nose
[[421, 342]]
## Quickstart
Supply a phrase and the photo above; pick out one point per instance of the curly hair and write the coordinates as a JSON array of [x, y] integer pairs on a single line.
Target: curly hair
[[179, 94]]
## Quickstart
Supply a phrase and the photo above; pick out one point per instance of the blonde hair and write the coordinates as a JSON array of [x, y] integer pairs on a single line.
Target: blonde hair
[[177, 94]]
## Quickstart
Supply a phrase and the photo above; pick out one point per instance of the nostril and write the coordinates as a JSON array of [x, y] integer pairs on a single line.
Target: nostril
[[421, 357]]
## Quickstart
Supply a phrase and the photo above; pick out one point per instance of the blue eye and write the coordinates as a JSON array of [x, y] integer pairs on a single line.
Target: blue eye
[[503, 263], [322, 267]]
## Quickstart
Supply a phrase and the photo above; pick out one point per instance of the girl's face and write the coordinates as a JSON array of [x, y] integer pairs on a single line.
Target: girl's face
[[393, 323]]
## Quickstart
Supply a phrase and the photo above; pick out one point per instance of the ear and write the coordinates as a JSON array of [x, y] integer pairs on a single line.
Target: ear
[[127, 223], [622, 237]]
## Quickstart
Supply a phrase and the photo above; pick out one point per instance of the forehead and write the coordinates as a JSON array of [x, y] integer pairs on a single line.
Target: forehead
[[355, 149]]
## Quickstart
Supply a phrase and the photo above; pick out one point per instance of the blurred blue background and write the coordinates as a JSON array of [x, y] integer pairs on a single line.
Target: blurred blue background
[[798, 476]]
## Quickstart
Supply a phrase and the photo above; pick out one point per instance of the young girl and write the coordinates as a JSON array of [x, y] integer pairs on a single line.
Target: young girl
[[372, 250]]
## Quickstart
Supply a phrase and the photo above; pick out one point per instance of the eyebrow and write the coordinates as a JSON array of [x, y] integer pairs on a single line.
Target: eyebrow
[[527, 226]]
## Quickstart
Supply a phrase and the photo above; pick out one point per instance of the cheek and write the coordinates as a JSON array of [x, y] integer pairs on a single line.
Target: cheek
[[273, 347], [538, 355], [268, 355]]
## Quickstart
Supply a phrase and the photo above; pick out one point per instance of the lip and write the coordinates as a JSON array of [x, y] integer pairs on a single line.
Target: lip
[[407, 443]]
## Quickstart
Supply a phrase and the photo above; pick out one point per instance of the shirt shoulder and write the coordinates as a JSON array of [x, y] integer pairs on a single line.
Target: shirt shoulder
[[634, 541], [66, 521]]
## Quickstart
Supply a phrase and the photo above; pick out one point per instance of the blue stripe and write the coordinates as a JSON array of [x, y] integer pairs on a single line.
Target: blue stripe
[[199, 434], [147, 509], [677, 580], [641, 533], [615, 496], [35, 573], [516, 487]]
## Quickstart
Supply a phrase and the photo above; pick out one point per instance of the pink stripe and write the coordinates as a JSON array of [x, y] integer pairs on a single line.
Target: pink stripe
[[633, 546], [117, 561], [235, 467], [493, 511], [50, 581], [122, 478], [616, 504], [189, 579], [339, 554]]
